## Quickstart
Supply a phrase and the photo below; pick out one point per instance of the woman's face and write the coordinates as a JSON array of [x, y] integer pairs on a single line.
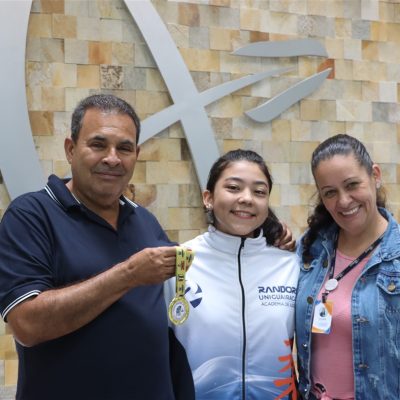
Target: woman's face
[[240, 199], [348, 192]]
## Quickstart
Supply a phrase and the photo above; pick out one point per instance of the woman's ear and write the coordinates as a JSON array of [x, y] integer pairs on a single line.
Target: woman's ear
[[208, 200], [377, 174]]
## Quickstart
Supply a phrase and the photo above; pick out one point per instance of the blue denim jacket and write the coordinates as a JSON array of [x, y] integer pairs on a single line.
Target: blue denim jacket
[[375, 307]]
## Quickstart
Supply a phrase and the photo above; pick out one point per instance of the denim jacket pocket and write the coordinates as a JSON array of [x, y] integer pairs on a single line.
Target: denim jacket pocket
[[389, 282]]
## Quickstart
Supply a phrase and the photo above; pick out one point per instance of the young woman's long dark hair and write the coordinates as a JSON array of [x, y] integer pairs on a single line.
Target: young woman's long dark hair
[[344, 145], [271, 227]]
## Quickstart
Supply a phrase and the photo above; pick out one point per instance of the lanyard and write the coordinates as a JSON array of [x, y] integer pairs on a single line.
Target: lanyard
[[332, 282]]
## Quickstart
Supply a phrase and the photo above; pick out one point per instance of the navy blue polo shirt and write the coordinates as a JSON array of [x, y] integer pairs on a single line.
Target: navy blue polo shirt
[[49, 240]]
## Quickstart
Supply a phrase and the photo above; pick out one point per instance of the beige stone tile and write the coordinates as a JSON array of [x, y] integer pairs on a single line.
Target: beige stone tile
[[197, 218], [300, 152], [201, 59], [34, 98], [49, 148], [88, 29], [151, 102], [189, 234], [227, 107], [343, 28], [41, 122], [157, 172], [369, 71], [73, 96], [281, 130], [334, 47], [388, 92], [352, 90], [10, 372], [275, 195], [122, 53], [276, 151], [393, 32], [154, 81], [222, 39], [280, 172], [100, 53], [52, 6], [379, 31], [310, 110], [179, 34], [370, 10], [328, 110], [370, 91], [64, 75], [139, 175], [388, 52], [64, 26], [88, 76], [370, 50], [53, 98], [229, 145], [344, 69], [38, 74], [61, 168], [7, 346], [40, 26], [76, 8], [281, 23], [181, 172], [168, 195], [352, 49], [250, 19], [190, 195], [51, 50], [354, 111], [300, 130], [33, 46], [188, 14], [111, 30], [76, 51]]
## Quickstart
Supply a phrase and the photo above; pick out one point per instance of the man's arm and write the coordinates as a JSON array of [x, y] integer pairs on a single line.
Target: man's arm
[[57, 312]]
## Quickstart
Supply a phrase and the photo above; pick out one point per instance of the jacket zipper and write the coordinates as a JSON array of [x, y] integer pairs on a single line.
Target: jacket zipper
[[243, 322]]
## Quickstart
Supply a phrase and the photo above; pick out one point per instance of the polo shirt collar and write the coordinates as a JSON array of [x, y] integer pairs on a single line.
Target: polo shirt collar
[[56, 188]]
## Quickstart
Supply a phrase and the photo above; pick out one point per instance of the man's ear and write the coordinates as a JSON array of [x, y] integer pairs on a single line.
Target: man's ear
[[137, 151], [69, 147]]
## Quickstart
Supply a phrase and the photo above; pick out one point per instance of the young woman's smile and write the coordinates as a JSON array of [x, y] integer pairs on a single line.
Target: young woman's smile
[[240, 199]]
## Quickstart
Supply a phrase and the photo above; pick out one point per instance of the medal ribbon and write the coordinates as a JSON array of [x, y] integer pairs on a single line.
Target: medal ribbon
[[184, 258], [353, 264], [178, 309]]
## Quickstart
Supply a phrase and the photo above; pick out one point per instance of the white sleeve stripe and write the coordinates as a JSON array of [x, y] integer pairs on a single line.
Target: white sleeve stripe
[[19, 300]]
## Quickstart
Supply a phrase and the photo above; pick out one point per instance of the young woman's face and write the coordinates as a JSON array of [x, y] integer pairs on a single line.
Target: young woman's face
[[240, 199], [348, 192]]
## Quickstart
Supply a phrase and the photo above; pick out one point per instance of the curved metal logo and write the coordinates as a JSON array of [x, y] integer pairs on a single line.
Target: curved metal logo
[[17, 150]]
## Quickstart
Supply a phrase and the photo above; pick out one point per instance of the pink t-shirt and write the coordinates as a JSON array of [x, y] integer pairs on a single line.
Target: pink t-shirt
[[332, 355]]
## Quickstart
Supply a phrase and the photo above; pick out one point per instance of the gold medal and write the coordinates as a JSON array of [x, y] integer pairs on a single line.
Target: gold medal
[[178, 310]]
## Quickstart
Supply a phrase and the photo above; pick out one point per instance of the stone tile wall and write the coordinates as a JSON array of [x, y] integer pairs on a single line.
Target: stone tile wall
[[75, 48]]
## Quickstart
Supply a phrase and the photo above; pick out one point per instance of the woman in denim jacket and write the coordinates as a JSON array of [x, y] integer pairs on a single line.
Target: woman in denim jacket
[[348, 301]]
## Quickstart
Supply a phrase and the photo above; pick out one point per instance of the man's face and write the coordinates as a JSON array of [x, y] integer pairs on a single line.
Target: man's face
[[103, 158]]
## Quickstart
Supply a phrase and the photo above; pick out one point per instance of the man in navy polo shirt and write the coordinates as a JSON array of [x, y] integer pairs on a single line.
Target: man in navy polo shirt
[[81, 273]]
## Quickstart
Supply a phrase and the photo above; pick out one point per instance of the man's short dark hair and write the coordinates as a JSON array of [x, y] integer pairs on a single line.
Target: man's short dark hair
[[106, 103]]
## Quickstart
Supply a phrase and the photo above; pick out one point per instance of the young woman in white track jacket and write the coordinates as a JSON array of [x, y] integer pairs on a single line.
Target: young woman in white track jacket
[[241, 290]]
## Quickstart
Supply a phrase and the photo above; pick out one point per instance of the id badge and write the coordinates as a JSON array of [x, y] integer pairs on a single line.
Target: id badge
[[322, 317]]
